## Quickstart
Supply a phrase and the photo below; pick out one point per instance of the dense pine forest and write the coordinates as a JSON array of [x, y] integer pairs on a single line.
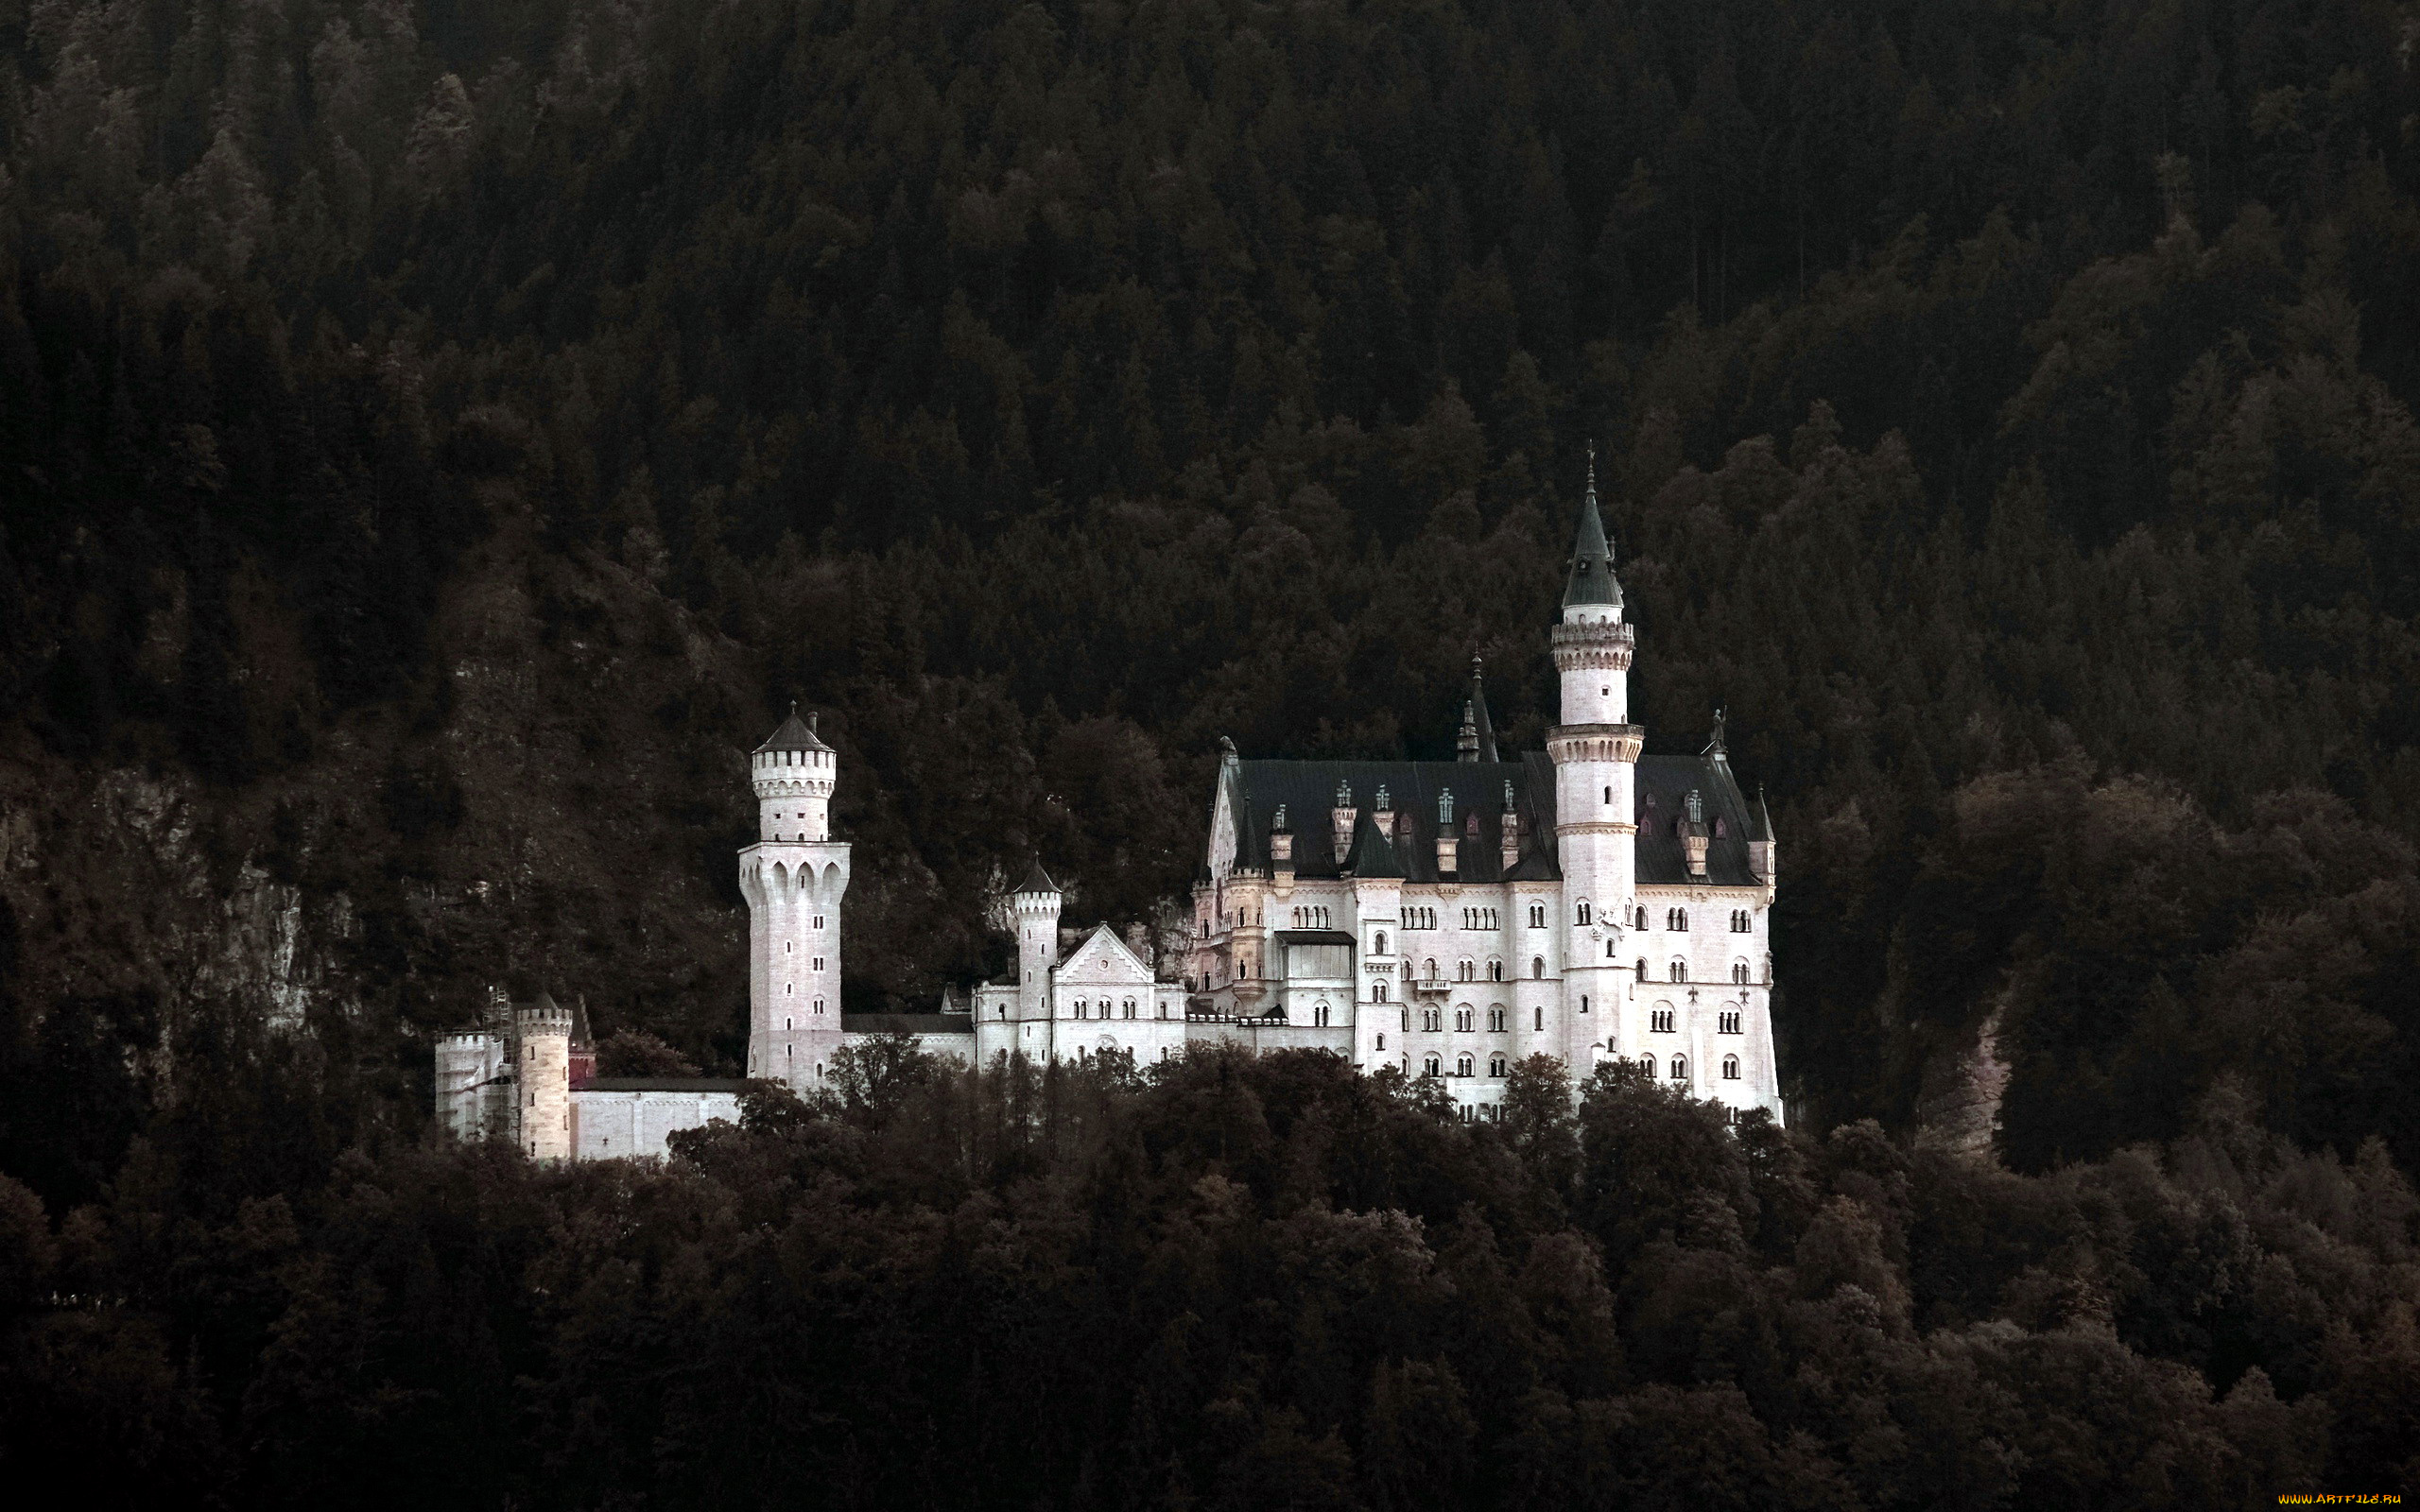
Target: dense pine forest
[[438, 439]]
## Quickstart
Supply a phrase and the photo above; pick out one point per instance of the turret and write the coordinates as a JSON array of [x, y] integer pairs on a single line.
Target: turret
[[792, 775], [1511, 827], [793, 878], [1595, 751], [1281, 850], [542, 1074], [1339, 820], [1037, 903], [1762, 858]]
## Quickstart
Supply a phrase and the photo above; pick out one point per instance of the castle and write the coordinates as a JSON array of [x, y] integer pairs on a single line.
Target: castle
[[1444, 918]]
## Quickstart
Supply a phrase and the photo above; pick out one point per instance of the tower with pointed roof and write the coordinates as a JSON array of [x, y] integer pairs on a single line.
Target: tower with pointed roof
[[793, 878], [1037, 903], [1595, 749]]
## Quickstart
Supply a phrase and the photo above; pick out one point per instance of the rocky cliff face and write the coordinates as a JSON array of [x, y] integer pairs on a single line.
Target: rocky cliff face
[[554, 802]]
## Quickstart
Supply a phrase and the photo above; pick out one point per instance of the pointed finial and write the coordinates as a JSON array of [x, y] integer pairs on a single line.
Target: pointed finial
[[1592, 465]]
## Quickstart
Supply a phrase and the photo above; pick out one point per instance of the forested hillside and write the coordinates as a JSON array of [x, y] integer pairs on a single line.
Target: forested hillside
[[437, 439]]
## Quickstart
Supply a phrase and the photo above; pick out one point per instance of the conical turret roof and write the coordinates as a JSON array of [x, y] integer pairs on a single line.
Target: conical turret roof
[[1037, 880], [794, 734], [1592, 555]]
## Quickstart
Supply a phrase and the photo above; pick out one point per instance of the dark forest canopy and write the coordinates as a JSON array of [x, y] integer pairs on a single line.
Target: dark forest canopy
[[435, 439]]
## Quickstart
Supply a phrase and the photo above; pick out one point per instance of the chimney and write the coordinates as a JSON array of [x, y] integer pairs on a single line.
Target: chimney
[[1512, 828], [1446, 840], [1694, 835], [1340, 820]]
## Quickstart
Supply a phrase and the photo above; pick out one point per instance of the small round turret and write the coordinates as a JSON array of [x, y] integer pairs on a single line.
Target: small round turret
[[1037, 902], [792, 775], [542, 1077]]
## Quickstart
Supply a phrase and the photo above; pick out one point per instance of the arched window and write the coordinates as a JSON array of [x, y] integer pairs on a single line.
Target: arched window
[[1680, 970], [1462, 971], [1537, 968], [1541, 1018], [1429, 1019], [1583, 1001], [1496, 970], [1463, 1020], [1080, 1008], [1318, 1015], [819, 1004], [1429, 1067], [1382, 943], [1130, 1007], [1609, 950], [1642, 968], [1659, 1020], [1727, 1023], [1429, 968], [1731, 1068], [1739, 972], [1382, 1041], [1377, 991], [1647, 1064], [1537, 916], [1642, 918], [1462, 1065], [1496, 1065]]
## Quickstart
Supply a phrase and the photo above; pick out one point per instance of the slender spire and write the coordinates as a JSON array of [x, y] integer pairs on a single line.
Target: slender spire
[[1478, 729], [1592, 555]]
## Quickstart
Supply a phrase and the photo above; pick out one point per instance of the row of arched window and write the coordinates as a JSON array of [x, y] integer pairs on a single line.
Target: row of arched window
[[1463, 1066], [1084, 1009], [1680, 1067], [1313, 918]]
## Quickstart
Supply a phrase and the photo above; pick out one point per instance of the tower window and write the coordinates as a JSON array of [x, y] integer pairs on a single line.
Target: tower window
[[1680, 970], [1609, 797], [1680, 1068], [1660, 1022], [1463, 1021], [1727, 1023], [1429, 1066], [1540, 1018], [1462, 1065], [1537, 916], [1537, 968], [1496, 1065], [1647, 1064], [1739, 972], [1496, 1020], [1642, 968], [1582, 911]]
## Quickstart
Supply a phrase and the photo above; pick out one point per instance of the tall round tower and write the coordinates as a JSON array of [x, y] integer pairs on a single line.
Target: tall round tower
[[542, 1075], [1594, 751], [793, 878], [1037, 900]]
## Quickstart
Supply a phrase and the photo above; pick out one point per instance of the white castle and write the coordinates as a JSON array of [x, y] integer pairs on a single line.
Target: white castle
[[1442, 919]]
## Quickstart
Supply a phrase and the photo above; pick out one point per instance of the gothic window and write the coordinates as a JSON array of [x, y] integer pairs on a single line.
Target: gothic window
[[1680, 1068], [1739, 972], [1720, 828], [1647, 1064], [1496, 1065], [1537, 968], [1731, 1068], [1462, 1065], [1726, 1023], [1463, 1020], [1429, 1067], [1382, 943], [1583, 914], [1680, 970]]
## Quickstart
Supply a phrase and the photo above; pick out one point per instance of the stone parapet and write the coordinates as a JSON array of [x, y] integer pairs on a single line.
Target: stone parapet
[[1597, 645]]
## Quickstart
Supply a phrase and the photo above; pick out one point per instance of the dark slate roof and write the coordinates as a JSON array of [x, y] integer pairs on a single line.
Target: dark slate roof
[[664, 1084], [906, 1024], [1037, 880], [1308, 791], [1308, 788], [794, 734], [1592, 579], [1664, 786]]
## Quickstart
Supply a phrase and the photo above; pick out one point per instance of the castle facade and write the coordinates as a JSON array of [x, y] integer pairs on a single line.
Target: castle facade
[[1442, 919]]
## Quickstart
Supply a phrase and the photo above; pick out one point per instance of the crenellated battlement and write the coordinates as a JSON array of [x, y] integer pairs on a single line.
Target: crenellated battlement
[[1596, 646]]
